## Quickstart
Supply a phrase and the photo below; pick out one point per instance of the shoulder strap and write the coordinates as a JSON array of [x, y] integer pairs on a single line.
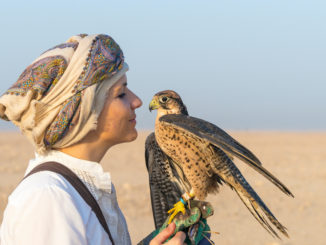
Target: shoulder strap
[[83, 191]]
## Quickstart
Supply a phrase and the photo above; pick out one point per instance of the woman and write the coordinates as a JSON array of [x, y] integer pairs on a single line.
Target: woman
[[73, 104]]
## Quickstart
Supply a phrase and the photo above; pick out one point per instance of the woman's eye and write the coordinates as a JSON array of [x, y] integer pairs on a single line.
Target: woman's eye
[[121, 95]]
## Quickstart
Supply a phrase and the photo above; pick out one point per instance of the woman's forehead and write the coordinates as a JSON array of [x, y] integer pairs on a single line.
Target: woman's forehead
[[121, 82]]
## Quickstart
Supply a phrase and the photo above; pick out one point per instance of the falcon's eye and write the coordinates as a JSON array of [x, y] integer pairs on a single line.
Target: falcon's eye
[[164, 99]]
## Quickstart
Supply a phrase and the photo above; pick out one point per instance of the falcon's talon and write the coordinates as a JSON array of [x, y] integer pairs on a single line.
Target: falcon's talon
[[177, 207]]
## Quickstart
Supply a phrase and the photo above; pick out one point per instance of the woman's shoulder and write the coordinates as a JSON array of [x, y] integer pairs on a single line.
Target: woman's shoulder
[[45, 202], [44, 185]]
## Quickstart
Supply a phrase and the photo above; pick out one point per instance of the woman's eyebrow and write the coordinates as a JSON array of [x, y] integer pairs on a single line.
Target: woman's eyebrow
[[121, 86]]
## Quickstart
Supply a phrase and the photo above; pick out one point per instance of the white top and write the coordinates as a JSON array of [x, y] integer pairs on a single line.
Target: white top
[[46, 209]]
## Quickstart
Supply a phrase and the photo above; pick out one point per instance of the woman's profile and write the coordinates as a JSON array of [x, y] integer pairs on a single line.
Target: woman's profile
[[73, 104]]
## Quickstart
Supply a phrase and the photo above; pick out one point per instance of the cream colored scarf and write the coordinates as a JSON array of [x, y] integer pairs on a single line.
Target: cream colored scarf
[[58, 98]]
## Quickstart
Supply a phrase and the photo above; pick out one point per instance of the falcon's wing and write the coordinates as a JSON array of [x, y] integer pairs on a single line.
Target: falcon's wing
[[223, 166], [164, 181], [218, 137]]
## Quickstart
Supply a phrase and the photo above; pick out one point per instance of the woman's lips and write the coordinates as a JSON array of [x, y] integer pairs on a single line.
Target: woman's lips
[[133, 120]]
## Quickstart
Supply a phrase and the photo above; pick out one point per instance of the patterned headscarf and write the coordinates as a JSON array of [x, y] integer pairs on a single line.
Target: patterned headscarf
[[57, 99]]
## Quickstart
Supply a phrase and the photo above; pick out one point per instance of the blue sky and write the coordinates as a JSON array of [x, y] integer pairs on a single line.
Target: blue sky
[[243, 65]]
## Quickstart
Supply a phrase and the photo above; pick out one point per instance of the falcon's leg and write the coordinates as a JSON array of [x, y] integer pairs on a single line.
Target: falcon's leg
[[180, 206]]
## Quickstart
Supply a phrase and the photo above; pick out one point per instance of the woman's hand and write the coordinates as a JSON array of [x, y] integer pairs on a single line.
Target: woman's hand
[[179, 237]]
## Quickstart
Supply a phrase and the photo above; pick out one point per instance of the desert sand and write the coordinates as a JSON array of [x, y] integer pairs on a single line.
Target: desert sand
[[297, 158]]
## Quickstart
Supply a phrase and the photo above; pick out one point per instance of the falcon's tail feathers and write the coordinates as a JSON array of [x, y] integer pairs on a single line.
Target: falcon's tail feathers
[[260, 212], [231, 175]]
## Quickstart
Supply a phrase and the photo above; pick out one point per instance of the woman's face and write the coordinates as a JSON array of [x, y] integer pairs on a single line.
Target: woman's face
[[117, 121]]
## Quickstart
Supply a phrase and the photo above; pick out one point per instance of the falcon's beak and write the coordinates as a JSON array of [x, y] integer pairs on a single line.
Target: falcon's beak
[[154, 104]]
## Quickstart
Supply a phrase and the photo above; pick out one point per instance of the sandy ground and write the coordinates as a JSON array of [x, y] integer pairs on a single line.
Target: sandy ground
[[297, 159]]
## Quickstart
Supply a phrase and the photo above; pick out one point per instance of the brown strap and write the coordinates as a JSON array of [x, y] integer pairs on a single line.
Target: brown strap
[[83, 191]]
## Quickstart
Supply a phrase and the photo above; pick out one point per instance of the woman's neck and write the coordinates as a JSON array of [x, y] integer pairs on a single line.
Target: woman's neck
[[89, 148]]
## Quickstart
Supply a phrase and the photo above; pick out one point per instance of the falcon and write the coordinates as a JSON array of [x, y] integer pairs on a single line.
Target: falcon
[[188, 158]]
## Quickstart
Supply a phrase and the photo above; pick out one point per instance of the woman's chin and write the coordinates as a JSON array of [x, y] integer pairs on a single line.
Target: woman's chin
[[130, 137], [133, 136]]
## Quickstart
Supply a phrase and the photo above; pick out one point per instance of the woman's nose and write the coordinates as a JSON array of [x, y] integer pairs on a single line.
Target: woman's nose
[[136, 101]]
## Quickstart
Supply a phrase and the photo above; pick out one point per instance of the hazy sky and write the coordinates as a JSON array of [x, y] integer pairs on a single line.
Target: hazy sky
[[240, 64]]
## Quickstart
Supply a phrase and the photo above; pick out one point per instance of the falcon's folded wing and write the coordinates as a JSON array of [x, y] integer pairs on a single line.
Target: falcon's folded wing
[[218, 137], [164, 183]]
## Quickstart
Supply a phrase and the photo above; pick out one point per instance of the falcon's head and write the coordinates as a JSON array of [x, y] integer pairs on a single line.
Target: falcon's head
[[168, 102]]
